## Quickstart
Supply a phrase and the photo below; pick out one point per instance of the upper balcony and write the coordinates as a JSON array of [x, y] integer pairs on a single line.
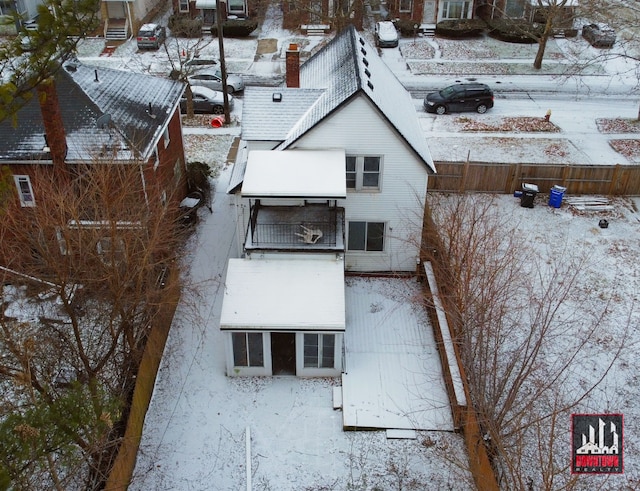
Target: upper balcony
[[314, 228]]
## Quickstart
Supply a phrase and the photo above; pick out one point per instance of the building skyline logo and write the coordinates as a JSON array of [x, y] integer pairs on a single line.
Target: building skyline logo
[[597, 443]]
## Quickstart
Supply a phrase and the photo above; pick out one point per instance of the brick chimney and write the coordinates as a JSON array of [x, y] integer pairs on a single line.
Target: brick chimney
[[293, 66], [53, 126]]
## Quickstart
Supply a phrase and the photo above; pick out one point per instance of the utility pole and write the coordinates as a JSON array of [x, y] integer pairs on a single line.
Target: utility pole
[[223, 65]]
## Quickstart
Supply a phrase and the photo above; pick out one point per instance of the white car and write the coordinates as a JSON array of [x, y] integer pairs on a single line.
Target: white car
[[212, 78], [386, 34]]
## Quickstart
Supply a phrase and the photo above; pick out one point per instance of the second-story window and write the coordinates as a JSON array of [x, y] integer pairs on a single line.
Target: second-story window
[[184, 5], [25, 191], [363, 172], [405, 5]]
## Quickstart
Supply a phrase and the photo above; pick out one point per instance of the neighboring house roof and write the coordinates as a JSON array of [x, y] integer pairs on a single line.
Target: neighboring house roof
[[346, 67], [139, 108]]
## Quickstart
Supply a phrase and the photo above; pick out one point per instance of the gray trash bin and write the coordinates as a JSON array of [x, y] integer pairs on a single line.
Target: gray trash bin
[[529, 192]]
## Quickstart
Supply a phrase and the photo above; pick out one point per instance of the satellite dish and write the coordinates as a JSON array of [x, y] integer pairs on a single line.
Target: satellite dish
[[103, 121]]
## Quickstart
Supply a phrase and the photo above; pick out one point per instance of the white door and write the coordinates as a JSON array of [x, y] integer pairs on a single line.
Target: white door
[[429, 12]]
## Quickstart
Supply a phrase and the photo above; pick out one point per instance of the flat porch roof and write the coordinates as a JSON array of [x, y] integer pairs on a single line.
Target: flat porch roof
[[289, 294]]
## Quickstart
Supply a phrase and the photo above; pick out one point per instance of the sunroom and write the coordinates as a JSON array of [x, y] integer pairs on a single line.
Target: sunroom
[[284, 315]]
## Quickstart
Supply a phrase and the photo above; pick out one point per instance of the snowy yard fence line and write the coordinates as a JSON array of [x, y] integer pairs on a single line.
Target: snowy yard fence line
[[491, 177], [464, 416], [125, 461]]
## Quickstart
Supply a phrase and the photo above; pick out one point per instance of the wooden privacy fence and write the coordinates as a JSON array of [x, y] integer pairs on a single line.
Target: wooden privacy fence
[[490, 177]]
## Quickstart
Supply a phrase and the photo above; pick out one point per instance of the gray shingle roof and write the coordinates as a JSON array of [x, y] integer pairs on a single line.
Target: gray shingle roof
[[85, 93], [346, 67], [264, 119]]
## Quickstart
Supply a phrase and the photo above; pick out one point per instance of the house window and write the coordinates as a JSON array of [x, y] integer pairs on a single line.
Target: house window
[[515, 8], [165, 137], [406, 5], [366, 236], [62, 241], [247, 349], [236, 7], [184, 5], [455, 10], [177, 171], [319, 350], [25, 191], [111, 250], [363, 172]]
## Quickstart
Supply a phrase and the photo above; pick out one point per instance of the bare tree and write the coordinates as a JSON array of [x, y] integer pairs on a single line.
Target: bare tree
[[522, 327], [35, 55], [93, 265]]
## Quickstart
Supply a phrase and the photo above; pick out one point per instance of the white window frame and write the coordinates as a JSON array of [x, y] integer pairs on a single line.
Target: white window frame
[[360, 173], [183, 5], [319, 354], [247, 347], [27, 198], [405, 5], [448, 5], [111, 250], [366, 235], [165, 137]]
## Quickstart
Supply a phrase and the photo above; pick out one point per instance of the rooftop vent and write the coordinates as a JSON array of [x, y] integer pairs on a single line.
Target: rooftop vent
[[367, 72], [363, 51], [361, 41], [96, 73], [276, 97], [365, 61], [370, 85], [71, 67]]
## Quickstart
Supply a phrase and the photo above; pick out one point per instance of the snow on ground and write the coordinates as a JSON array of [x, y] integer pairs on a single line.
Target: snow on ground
[[197, 424], [194, 436]]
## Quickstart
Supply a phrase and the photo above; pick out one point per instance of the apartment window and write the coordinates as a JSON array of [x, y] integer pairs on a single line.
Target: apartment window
[[319, 350], [363, 172], [455, 10], [184, 5], [247, 349], [406, 5], [366, 236], [25, 191]]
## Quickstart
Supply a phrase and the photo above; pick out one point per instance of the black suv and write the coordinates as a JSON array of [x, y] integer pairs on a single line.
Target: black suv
[[460, 97]]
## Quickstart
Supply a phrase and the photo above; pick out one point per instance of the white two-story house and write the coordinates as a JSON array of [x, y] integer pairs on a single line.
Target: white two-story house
[[332, 178]]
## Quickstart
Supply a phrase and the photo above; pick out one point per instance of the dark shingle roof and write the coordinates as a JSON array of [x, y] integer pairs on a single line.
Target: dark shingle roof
[[85, 93]]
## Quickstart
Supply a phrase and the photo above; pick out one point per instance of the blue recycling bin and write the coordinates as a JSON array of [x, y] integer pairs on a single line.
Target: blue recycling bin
[[555, 196]]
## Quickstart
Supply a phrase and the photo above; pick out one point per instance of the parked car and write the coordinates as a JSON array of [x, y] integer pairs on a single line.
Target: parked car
[[460, 97], [599, 35], [386, 34], [151, 36], [197, 62], [205, 101], [212, 78]]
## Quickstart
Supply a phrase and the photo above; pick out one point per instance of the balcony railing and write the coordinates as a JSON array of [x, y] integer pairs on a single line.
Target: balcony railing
[[291, 228]]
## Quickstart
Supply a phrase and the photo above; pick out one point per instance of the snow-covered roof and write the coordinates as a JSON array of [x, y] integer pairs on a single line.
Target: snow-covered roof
[[269, 113], [304, 293], [295, 174], [344, 68], [138, 106]]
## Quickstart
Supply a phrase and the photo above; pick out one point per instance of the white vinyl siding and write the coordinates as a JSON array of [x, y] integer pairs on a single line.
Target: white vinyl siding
[[361, 130]]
